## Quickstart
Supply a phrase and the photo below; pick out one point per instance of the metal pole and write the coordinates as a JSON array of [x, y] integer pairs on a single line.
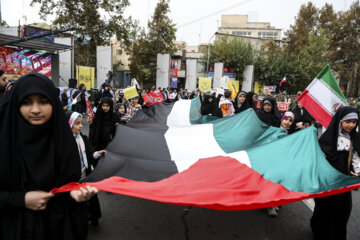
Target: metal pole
[[207, 65]]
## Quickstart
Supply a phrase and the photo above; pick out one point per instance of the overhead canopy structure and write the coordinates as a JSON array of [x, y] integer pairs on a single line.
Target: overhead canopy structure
[[34, 44]]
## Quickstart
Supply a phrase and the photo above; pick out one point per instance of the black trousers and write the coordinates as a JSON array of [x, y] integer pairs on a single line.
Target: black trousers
[[331, 215]]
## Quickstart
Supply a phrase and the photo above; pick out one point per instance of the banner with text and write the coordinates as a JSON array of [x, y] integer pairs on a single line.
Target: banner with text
[[85, 75], [205, 84], [153, 98]]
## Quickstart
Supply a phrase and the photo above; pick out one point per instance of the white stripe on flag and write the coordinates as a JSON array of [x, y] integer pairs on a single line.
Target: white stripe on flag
[[188, 144], [241, 156], [324, 95], [180, 114]]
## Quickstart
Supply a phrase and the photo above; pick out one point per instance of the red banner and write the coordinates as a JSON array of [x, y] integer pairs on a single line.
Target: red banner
[[153, 98], [173, 72], [282, 106], [89, 110]]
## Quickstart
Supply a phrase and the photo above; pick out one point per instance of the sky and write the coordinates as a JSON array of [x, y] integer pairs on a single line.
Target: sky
[[196, 20]]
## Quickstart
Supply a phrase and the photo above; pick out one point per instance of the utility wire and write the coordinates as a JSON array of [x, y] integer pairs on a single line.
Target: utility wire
[[215, 13]]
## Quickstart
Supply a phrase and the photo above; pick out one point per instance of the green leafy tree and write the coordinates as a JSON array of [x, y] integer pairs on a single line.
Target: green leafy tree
[[298, 35], [313, 59], [276, 65], [145, 46], [233, 52], [327, 19], [89, 14], [299, 70], [344, 48]]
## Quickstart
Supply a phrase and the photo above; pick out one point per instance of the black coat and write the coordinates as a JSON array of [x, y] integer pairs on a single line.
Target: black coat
[[209, 108], [301, 117], [103, 128], [331, 214], [93, 205], [51, 157]]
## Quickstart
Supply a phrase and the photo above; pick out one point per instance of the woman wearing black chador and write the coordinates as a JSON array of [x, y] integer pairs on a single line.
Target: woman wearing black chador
[[102, 129], [341, 145], [38, 153]]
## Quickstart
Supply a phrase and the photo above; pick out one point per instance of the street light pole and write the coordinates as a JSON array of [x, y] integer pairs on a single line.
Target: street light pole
[[207, 65]]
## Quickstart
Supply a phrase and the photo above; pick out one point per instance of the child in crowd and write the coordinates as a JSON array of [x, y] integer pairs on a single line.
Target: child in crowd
[[120, 114], [102, 128], [340, 144], [286, 124], [132, 107], [287, 121], [225, 104], [88, 160]]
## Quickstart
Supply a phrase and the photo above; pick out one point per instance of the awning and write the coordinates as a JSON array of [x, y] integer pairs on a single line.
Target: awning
[[34, 44]]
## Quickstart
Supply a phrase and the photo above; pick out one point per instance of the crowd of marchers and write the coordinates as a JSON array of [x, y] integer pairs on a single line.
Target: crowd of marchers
[[43, 148]]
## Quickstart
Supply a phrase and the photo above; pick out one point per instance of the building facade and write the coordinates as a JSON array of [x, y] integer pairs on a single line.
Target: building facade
[[257, 33]]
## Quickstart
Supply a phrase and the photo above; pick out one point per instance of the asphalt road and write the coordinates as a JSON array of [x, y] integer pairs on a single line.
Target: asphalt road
[[129, 218]]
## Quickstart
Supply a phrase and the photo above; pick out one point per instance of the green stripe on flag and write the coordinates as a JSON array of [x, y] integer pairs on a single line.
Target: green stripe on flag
[[244, 130], [297, 162], [237, 132], [327, 77]]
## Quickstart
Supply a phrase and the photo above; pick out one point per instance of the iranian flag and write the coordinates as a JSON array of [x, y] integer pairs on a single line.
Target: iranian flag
[[283, 81], [172, 154], [323, 97]]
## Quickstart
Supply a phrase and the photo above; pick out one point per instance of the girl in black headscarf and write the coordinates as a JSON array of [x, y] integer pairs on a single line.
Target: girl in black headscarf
[[120, 113], [250, 100], [102, 129], [241, 103], [341, 145], [38, 153], [269, 113], [209, 106], [88, 159]]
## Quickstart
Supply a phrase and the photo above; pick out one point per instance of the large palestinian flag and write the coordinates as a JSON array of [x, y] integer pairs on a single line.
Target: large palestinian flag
[[170, 153]]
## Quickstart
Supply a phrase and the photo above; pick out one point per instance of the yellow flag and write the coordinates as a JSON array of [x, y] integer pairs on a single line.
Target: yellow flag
[[205, 84], [130, 92], [234, 88], [237, 85], [85, 75], [259, 87]]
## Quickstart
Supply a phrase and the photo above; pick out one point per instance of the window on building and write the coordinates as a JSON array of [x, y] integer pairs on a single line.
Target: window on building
[[118, 52], [267, 35], [241, 33]]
